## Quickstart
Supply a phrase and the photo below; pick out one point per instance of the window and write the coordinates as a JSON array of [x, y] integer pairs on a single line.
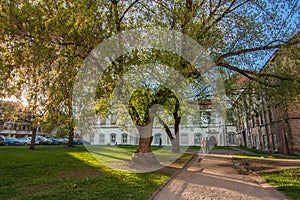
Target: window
[[198, 138], [124, 138], [275, 144], [157, 137], [266, 143], [113, 138], [91, 138], [184, 138], [249, 141], [231, 138], [8, 126], [254, 141], [113, 120], [102, 138]]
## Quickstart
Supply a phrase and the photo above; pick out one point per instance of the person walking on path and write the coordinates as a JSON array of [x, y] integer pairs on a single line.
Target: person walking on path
[[203, 149]]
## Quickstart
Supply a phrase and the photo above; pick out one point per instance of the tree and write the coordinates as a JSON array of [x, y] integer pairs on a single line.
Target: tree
[[48, 36], [42, 46]]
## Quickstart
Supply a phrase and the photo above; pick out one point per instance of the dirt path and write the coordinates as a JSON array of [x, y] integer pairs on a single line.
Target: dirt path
[[214, 177]]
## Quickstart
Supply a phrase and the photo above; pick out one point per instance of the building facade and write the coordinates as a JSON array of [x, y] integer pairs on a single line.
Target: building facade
[[268, 117], [15, 120], [107, 132]]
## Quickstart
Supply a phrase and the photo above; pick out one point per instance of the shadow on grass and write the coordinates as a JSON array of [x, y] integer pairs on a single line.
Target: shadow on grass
[[69, 173]]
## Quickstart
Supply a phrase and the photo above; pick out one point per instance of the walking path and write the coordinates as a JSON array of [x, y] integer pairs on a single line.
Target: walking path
[[214, 177]]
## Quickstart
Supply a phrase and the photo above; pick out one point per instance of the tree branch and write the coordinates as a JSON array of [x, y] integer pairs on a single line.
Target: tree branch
[[223, 14], [261, 48], [245, 73], [127, 9], [168, 131]]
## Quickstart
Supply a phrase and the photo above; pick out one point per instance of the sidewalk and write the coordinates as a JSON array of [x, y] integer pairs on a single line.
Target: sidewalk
[[215, 178]]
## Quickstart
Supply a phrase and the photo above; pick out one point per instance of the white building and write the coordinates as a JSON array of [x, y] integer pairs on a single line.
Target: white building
[[108, 133]]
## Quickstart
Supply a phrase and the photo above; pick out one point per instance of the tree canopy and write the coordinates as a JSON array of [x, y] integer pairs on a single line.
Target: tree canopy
[[43, 43]]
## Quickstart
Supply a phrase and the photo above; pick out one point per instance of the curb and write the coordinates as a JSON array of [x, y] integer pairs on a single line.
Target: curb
[[187, 164]]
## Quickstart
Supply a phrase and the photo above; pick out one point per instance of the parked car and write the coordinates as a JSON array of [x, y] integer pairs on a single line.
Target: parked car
[[9, 141], [2, 138], [36, 141], [54, 140], [63, 140], [43, 140], [80, 141], [25, 141], [77, 141]]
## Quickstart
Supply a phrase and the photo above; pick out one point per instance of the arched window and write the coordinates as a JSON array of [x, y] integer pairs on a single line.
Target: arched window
[[102, 138], [92, 138], [157, 137], [184, 138], [113, 120], [113, 138], [197, 139], [232, 139], [124, 138], [212, 140]]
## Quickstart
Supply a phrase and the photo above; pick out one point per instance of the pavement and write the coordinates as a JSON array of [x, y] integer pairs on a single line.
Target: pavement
[[215, 177]]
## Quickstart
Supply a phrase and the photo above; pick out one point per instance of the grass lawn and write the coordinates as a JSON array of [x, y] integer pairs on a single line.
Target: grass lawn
[[119, 157], [266, 156], [284, 181], [57, 172], [251, 150], [222, 148]]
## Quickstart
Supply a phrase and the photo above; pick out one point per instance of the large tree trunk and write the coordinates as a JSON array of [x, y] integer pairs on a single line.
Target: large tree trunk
[[71, 135], [175, 145], [176, 141], [143, 157], [33, 136], [177, 118]]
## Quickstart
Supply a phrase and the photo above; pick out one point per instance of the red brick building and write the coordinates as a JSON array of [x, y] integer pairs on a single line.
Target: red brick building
[[268, 116]]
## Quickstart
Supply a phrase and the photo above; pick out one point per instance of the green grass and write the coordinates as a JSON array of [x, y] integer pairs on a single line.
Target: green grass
[[284, 181], [256, 151], [57, 172], [120, 156], [222, 147], [267, 156], [194, 148]]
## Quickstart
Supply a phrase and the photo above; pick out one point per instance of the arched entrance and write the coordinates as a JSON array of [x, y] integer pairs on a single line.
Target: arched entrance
[[212, 141]]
